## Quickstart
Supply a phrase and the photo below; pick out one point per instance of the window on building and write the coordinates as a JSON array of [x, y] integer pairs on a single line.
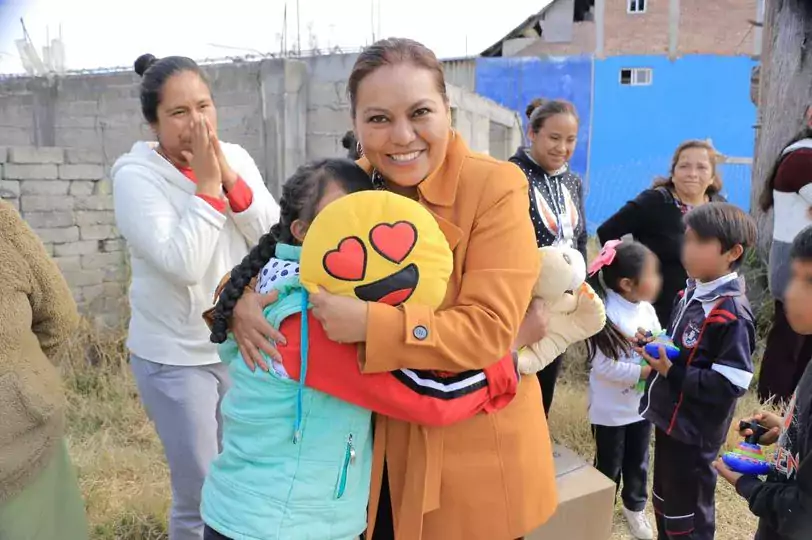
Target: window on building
[[637, 6], [636, 76]]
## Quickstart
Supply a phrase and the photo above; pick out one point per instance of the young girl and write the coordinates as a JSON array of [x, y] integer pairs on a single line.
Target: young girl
[[296, 461], [626, 275]]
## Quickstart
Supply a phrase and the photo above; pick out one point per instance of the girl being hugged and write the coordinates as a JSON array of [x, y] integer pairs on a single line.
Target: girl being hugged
[[296, 460], [626, 276]]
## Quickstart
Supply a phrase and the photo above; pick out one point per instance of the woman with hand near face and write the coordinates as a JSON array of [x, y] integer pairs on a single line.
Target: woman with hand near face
[[654, 218], [190, 207], [490, 476]]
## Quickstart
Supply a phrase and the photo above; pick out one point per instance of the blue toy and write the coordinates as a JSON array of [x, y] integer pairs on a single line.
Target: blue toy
[[748, 457], [652, 348]]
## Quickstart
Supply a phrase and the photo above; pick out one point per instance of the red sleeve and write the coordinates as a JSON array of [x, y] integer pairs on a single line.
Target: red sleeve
[[795, 171], [217, 203], [421, 397], [240, 196]]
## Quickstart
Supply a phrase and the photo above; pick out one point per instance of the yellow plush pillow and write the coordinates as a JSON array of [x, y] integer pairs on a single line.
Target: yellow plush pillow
[[379, 247]]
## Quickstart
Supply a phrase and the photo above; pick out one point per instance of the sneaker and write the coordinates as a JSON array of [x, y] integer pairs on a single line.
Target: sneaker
[[639, 525]]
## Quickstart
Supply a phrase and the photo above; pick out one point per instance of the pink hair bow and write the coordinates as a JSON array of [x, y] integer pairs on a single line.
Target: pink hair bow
[[605, 257]]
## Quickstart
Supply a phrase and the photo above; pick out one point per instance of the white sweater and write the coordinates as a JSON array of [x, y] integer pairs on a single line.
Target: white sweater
[[613, 399], [180, 248]]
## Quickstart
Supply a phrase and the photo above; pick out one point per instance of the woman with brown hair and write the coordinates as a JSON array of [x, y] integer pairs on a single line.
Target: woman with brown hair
[[490, 477], [654, 218]]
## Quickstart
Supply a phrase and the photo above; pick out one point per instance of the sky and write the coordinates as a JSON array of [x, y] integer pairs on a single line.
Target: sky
[[110, 33]]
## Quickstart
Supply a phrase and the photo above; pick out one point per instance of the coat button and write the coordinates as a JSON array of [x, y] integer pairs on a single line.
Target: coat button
[[420, 333]]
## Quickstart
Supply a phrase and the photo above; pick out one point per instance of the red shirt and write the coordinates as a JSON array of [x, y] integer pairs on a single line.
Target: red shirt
[[422, 397], [239, 197]]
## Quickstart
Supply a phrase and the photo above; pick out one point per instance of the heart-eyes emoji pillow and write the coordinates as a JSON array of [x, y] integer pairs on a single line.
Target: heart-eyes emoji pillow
[[378, 247]]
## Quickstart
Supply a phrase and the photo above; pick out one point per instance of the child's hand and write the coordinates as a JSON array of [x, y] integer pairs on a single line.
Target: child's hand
[[645, 371], [771, 421], [661, 365], [726, 473], [642, 337]]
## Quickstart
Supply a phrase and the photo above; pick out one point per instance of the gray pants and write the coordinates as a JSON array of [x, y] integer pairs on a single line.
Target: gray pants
[[184, 404]]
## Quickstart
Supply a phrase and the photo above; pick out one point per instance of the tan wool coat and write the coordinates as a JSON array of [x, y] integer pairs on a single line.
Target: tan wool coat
[[37, 316], [490, 477]]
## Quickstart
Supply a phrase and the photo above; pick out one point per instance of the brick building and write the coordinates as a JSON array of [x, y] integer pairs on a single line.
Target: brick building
[[636, 27]]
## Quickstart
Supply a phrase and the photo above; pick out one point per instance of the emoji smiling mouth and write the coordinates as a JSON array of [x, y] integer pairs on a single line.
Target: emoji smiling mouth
[[393, 290]]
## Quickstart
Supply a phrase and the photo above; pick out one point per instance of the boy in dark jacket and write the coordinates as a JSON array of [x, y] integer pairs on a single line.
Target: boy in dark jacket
[[784, 501], [691, 401]]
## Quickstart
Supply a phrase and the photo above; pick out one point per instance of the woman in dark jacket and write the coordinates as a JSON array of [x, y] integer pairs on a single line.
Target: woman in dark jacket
[[654, 218], [556, 192]]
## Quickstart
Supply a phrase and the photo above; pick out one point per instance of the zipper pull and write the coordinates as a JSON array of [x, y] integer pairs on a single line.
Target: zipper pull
[[352, 450]]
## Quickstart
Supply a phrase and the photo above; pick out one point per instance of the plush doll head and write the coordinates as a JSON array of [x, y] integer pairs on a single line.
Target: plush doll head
[[563, 270], [379, 247]]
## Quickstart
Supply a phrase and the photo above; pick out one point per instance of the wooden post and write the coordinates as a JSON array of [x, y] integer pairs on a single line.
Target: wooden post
[[785, 90]]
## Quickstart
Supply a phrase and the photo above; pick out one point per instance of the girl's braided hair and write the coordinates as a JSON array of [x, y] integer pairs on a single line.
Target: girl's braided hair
[[300, 198]]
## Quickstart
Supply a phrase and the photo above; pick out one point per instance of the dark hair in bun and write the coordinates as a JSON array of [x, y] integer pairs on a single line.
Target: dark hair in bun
[[539, 110], [349, 142], [154, 74], [532, 106], [143, 62]]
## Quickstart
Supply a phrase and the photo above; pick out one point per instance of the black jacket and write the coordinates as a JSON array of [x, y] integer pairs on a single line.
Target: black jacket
[[784, 501], [716, 336], [550, 195], [655, 220]]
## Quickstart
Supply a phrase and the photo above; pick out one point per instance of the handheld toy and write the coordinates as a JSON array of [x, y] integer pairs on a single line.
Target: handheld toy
[[748, 457], [652, 348], [576, 312]]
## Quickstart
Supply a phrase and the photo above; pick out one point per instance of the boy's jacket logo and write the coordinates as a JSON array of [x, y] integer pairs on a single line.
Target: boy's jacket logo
[[690, 336]]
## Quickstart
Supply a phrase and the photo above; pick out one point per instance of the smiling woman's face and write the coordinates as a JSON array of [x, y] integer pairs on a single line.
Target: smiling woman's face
[[402, 122]]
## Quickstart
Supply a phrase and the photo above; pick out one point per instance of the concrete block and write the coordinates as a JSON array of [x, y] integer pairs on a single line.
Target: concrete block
[[43, 187], [3, 154], [85, 218], [83, 155], [116, 274], [34, 154], [49, 220], [84, 171], [98, 232], [61, 235], [83, 278], [46, 203], [92, 292], [9, 189], [13, 171], [69, 264], [110, 246], [75, 249], [95, 202], [105, 261], [82, 188], [103, 187], [49, 249]]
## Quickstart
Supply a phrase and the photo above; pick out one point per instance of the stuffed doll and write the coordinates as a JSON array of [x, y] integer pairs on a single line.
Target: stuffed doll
[[576, 312]]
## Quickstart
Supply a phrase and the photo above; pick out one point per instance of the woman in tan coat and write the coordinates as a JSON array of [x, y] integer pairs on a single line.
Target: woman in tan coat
[[490, 477], [39, 493]]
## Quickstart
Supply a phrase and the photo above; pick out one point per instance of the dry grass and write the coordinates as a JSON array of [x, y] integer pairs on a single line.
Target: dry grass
[[125, 480]]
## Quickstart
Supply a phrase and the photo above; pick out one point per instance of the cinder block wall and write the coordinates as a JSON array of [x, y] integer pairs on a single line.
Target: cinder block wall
[[65, 197]]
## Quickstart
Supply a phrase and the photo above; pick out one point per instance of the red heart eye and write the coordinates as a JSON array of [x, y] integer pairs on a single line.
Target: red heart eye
[[393, 241], [348, 262]]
